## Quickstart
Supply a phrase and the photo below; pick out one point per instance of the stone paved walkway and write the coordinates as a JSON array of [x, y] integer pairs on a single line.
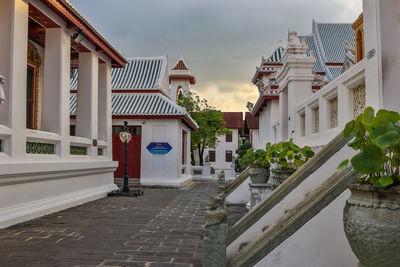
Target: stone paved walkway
[[160, 228]]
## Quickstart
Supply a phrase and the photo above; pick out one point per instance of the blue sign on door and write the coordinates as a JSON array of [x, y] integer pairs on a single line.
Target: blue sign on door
[[159, 148]]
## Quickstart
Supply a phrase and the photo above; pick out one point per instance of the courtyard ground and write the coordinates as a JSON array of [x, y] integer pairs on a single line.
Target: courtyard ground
[[160, 228]]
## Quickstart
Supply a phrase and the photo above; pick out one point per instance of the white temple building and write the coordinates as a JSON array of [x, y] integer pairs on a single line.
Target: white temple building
[[42, 168], [144, 93]]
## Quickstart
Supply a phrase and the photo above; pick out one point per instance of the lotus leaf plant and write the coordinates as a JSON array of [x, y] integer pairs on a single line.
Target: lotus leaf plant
[[377, 140], [287, 155], [254, 158]]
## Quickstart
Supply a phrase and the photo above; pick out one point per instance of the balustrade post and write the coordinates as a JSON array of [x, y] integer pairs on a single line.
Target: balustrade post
[[215, 233]]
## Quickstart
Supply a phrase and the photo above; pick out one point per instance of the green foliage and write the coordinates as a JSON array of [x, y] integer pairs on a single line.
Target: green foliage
[[241, 151], [254, 158], [377, 138], [210, 122], [287, 155]]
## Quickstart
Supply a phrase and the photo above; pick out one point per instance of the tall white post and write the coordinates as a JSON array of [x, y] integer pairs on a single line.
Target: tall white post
[[13, 65], [87, 109], [295, 80], [105, 116], [55, 115], [382, 42]]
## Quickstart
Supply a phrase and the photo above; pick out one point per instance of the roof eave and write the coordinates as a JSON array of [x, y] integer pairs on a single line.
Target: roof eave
[[74, 19]]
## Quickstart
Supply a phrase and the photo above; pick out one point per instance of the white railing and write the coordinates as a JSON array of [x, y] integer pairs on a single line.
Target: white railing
[[324, 114]]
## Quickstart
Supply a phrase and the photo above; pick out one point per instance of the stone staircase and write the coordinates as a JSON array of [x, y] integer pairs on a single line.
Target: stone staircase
[[288, 228], [274, 235]]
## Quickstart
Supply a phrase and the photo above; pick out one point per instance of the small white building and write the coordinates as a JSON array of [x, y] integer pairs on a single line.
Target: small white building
[[221, 156], [42, 168], [144, 94]]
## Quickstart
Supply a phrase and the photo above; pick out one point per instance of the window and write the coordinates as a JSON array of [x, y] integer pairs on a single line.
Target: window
[[228, 138], [72, 130], [184, 135], [228, 156], [316, 120], [30, 97], [360, 48], [211, 153]]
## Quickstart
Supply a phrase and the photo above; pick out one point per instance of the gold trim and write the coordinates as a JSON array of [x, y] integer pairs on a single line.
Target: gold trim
[[35, 60]]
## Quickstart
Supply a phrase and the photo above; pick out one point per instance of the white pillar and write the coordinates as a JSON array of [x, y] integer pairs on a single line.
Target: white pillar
[[13, 65], [87, 99], [295, 82], [104, 107], [382, 42], [283, 115], [55, 115]]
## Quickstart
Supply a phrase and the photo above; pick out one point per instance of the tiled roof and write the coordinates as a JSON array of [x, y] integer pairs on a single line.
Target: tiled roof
[[233, 120], [139, 73], [332, 36], [139, 104], [276, 56], [319, 64], [251, 122], [336, 71]]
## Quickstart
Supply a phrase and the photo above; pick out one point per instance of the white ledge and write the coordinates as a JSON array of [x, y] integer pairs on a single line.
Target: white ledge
[[102, 143], [5, 131], [42, 137], [76, 140]]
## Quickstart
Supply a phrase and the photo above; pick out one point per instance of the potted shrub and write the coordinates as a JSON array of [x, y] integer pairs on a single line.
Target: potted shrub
[[372, 214], [286, 157], [259, 166]]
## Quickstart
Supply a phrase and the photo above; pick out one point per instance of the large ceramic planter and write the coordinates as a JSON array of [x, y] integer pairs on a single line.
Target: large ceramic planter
[[259, 175], [278, 176], [372, 225]]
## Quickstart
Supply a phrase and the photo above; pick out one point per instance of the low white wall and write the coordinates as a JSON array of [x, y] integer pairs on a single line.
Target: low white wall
[[240, 195], [33, 189], [320, 242], [291, 200]]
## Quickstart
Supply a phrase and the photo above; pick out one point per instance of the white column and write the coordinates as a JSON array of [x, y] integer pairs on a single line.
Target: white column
[[345, 114], [324, 115], [382, 35], [13, 65], [298, 90], [87, 109], [104, 104], [283, 115], [55, 115]]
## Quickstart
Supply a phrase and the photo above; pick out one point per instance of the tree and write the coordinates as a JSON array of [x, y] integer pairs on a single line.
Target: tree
[[210, 121], [241, 151]]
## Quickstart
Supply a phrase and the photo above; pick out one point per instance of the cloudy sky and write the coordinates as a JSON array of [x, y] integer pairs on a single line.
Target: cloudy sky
[[222, 41]]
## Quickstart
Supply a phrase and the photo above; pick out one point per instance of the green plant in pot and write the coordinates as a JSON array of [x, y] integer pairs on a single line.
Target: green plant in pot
[[372, 214], [259, 166], [286, 157]]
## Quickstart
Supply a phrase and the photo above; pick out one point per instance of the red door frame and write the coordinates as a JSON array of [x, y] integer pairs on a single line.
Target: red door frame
[[134, 153]]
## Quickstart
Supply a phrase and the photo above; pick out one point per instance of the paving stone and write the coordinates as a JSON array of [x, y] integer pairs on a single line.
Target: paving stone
[[160, 228]]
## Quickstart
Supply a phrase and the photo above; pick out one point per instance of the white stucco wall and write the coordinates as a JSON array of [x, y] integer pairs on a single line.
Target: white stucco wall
[[267, 116], [162, 169]]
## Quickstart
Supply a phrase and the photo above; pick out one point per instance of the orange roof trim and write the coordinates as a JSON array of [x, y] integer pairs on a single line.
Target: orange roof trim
[[76, 21]]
